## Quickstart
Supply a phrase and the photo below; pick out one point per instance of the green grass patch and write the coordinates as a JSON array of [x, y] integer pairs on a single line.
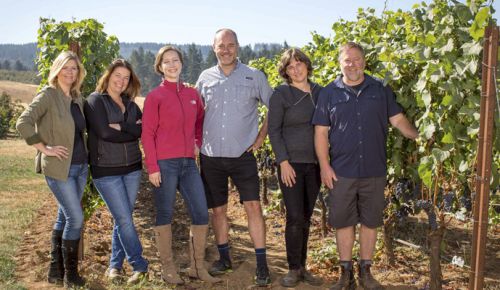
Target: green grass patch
[[21, 194]]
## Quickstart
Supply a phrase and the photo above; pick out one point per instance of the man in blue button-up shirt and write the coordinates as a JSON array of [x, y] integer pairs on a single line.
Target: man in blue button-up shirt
[[231, 92], [351, 122]]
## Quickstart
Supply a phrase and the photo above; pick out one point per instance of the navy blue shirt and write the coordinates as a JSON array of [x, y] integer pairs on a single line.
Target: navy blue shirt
[[358, 126]]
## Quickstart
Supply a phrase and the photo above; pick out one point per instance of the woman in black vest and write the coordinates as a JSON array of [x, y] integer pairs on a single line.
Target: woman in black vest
[[114, 126]]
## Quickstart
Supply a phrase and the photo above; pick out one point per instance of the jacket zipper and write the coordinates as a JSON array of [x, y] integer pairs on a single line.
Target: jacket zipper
[[183, 118]]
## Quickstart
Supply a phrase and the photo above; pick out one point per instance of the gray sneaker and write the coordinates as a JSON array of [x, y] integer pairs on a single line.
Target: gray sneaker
[[262, 276], [220, 267]]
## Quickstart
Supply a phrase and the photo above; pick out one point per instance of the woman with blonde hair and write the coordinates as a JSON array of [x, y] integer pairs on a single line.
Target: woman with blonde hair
[[55, 125], [114, 126]]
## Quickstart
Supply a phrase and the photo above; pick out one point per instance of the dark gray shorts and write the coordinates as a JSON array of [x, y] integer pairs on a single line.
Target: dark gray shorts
[[357, 200]]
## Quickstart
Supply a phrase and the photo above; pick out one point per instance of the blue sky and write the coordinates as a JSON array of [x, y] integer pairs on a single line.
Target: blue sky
[[191, 21]]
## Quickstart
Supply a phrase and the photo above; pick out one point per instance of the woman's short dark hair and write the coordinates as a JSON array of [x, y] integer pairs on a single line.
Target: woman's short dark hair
[[159, 57], [134, 85], [287, 56]]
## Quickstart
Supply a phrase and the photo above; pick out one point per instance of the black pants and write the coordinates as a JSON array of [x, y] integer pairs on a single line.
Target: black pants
[[299, 202]]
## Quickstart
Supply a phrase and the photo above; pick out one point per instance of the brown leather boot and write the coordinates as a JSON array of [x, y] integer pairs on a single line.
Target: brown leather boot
[[366, 279], [163, 236], [197, 243], [346, 281]]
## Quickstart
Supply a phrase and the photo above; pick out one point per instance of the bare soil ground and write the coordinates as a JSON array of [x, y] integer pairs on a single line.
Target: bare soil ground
[[411, 271]]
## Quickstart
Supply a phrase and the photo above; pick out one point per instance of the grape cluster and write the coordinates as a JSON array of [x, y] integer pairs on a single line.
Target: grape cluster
[[465, 200], [266, 162], [448, 199], [428, 207], [403, 190], [403, 212]]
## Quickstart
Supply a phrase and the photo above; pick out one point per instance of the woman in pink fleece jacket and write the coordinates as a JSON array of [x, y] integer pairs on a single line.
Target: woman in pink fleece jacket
[[171, 136]]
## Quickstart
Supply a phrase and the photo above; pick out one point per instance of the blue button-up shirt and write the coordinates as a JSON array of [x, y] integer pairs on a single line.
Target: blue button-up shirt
[[358, 126], [231, 102]]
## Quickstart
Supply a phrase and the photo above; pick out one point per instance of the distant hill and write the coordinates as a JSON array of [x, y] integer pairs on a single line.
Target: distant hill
[[26, 53]]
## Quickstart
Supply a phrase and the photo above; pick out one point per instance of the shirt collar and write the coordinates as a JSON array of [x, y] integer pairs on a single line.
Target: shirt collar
[[237, 66]]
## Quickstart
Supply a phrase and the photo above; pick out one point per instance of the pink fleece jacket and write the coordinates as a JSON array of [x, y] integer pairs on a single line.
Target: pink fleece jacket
[[172, 123]]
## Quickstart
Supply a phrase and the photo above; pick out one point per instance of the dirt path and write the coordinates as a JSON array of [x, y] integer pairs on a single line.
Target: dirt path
[[410, 273], [33, 256]]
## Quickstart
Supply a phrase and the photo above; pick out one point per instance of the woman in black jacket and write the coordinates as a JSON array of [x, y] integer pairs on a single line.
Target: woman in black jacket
[[114, 126], [291, 108]]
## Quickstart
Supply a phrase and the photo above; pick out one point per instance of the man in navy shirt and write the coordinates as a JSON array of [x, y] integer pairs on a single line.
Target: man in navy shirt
[[351, 122]]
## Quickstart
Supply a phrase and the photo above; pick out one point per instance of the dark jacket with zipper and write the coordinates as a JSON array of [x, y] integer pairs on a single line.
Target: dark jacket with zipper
[[290, 130], [113, 151]]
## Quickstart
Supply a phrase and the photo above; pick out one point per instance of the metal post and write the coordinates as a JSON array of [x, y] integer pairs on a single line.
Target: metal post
[[484, 156]]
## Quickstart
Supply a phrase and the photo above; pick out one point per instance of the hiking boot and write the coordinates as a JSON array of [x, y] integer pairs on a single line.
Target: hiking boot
[[56, 268], [221, 267], [346, 281], [366, 279], [291, 279], [136, 278], [309, 278], [262, 277]]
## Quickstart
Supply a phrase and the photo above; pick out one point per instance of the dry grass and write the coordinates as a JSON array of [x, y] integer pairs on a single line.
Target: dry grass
[[19, 91], [21, 193]]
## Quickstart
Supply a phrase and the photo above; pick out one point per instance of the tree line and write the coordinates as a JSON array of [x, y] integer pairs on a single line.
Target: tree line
[[194, 61], [20, 57]]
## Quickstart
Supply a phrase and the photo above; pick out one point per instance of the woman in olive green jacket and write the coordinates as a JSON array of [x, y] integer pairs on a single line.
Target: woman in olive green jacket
[[55, 125]]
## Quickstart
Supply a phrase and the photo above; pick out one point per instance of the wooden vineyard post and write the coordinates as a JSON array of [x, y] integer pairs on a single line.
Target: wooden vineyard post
[[484, 156]]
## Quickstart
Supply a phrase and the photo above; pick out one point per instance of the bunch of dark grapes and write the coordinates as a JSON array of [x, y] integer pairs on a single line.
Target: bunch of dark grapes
[[402, 191], [415, 193], [465, 200], [448, 199], [403, 212], [428, 207]]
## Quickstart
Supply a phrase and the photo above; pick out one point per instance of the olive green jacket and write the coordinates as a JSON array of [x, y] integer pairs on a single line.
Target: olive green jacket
[[48, 120]]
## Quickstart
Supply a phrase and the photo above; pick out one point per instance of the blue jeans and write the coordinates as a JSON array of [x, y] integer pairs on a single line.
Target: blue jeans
[[180, 173], [119, 193], [69, 195]]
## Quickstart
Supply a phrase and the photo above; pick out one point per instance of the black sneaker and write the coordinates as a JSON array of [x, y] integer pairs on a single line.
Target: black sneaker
[[262, 277], [221, 267]]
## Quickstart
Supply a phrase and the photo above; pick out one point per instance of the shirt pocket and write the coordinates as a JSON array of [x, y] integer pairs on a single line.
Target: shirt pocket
[[339, 109], [210, 90], [245, 96]]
